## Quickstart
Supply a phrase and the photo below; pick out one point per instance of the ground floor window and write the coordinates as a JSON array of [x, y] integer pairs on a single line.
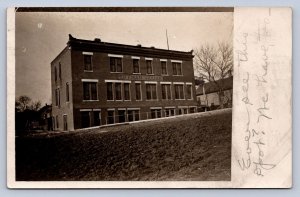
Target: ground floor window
[[65, 122], [192, 110], [122, 115], [155, 113], [182, 111], [169, 112], [85, 119], [97, 118], [110, 117], [133, 115]]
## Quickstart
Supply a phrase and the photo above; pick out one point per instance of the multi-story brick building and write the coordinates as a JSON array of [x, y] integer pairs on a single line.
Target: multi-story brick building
[[97, 83]]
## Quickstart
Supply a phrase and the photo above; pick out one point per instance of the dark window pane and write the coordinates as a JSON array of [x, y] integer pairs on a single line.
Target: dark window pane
[[176, 91], [153, 113], [85, 119], [86, 91], [121, 115], [136, 66], [97, 118], [130, 115], [172, 112], [138, 91], [181, 91], [119, 64], [126, 91], [179, 71], [158, 113], [112, 65], [55, 73], [110, 91], [163, 67], [169, 91], [67, 92], [149, 67], [148, 91], [163, 91], [110, 117], [189, 91], [153, 86], [94, 91], [136, 115], [174, 68], [87, 62], [59, 70], [65, 123], [118, 91]]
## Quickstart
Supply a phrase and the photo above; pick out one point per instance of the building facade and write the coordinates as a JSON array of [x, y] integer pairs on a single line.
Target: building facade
[[97, 83]]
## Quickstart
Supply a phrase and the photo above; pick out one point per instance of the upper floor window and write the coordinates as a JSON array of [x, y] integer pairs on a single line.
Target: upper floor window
[[110, 94], [163, 67], [177, 68], [151, 91], [59, 70], [149, 66], [179, 93], [88, 62], [136, 65], [90, 91], [57, 97], [189, 91], [166, 91], [138, 93], [126, 91], [55, 73], [116, 64], [67, 92]]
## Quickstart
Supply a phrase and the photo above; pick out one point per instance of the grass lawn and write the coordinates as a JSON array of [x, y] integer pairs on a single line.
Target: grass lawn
[[194, 147]]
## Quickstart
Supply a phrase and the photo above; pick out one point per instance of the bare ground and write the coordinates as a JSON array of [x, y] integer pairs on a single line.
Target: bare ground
[[194, 147]]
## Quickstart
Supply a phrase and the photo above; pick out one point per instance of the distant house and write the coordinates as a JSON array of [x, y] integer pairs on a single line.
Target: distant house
[[45, 121], [208, 97]]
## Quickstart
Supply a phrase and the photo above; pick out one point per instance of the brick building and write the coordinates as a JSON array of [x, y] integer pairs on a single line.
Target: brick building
[[97, 83]]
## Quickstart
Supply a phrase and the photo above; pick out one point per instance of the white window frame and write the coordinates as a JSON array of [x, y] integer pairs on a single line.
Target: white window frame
[[189, 84], [179, 83], [136, 58], [149, 59], [180, 62], [90, 54], [151, 82], [91, 81], [123, 85]]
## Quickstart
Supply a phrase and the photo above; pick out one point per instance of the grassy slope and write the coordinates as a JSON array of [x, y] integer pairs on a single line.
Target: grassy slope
[[191, 147]]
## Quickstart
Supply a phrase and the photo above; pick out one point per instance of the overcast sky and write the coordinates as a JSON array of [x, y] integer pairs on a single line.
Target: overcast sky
[[40, 36]]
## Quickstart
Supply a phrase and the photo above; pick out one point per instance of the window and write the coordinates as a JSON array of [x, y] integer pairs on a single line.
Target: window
[[67, 92], [97, 118], [164, 68], [118, 88], [55, 73], [179, 94], [189, 91], [169, 112], [65, 122], [57, 97], [126, 91], [151, 91], [192, 110], [85, 119], [88, 62], [59, 70], [155, 113], [166, 91], [149, 67], [110, 95], [90, 91], [177, 70], [138, 95], [133, 115], [136, 65], [116, 64], [57, 122], [182, 111], [121, 116], [110, 117]]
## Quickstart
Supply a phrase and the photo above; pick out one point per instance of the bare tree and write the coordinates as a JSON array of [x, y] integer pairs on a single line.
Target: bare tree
[[22, 103], [213, 64]]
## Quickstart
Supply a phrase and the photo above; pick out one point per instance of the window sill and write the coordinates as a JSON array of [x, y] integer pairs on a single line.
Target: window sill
[[89, 100], [178, 75], [180, 99], [88, 71], [136, 73], [149, 74]]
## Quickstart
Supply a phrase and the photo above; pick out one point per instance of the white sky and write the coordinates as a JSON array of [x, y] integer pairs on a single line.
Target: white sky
[[41, 36]]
